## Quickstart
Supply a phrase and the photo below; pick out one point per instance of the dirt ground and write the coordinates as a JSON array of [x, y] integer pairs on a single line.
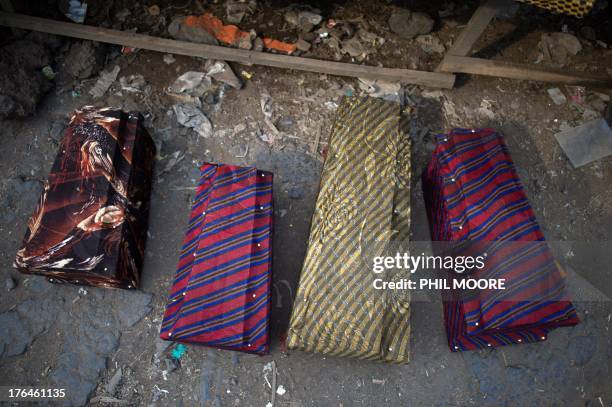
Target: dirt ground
[[103, 345]]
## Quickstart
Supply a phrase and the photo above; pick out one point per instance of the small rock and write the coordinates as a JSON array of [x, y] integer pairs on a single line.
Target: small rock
[[171, 364], [302, 45], [408, 25], [10, 284], [557, 96], [430, 44], [169, 59], [309, 37], [304, 20]]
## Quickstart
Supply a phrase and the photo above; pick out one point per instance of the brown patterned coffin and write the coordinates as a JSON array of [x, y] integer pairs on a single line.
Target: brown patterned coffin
[[90, 225]]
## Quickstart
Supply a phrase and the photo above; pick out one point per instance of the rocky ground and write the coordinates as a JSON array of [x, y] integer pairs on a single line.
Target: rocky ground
[[102, 344]]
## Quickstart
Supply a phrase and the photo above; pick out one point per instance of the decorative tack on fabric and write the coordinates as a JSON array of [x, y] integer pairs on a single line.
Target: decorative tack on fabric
[[576, 8], [363, 206], [220, 296], [476, 202], [90, 225]]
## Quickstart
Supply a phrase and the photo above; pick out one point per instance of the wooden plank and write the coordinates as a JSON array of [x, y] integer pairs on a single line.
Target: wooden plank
[[433, 79], [474, 28], [512, 70]]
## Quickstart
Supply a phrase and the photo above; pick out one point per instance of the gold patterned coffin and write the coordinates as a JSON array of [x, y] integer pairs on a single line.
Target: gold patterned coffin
[[362, 209], [576, 8]]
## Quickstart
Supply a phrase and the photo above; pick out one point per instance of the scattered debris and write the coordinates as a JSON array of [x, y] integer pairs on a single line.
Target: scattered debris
[[158, 393], [281, 390], [484, 111], [381, 89], [221, 71], [280, 46], [82, 291], [226, 34], [246, 75], [586, 143], [10, 284], [84, 60], [133, 83], [191, 116], [77, 11], [114, 382], [174, 159], [169, 59], [265, 102], [380, 382], [576, 94], [104, 82], [191, 83], [48, 72], [408, 25], [557, 96], [270, 368], [178, 352]]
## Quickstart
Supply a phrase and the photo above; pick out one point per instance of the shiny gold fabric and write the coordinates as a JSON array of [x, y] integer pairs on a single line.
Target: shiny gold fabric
[[577, 8], [363, 207]]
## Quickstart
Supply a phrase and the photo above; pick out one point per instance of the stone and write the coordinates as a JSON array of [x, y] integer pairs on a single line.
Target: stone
[[304, 20], [408, 25], [431, 44], [557, 47], [10, 284], [303, 45], [180, 31], [568, 41]]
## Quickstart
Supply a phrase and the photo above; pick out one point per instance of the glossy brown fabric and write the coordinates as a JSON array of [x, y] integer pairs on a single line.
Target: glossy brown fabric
[[90, 225]]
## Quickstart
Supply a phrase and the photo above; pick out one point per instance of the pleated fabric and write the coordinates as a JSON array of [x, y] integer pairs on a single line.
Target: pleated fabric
[[363, 206], [220, 296], [475, 200]]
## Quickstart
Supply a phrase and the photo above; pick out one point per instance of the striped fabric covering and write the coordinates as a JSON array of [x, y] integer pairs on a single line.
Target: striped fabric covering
[[221, 291], [475, 200], [363, 205]]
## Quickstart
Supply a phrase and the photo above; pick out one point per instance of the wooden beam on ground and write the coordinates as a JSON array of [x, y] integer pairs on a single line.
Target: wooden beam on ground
[[512, 70], [475, 27], [433, 79]]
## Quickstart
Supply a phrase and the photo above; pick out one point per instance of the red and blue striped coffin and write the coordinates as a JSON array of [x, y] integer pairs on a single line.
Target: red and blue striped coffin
[[221, 291], [476, 204]]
